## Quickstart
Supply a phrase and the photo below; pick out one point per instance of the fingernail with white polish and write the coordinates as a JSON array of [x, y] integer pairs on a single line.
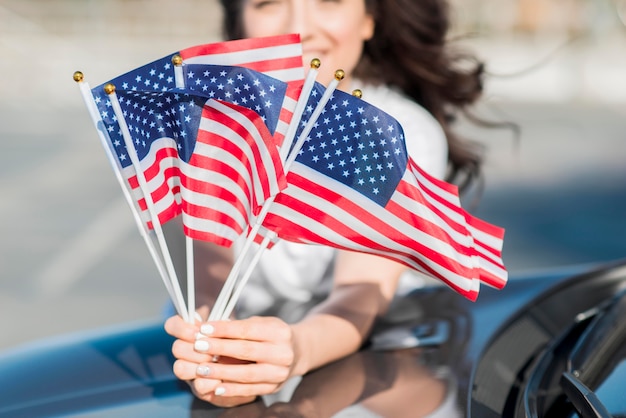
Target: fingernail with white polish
[[199, 335], [220, 391], [201, 346], [207, 329], [203, 370]]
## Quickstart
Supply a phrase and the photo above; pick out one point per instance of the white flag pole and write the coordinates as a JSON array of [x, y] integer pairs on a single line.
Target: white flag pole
[[143, 231], [143, 184], [230, 306], [307, 86], [191, 282], [220, 304], [191, 287]]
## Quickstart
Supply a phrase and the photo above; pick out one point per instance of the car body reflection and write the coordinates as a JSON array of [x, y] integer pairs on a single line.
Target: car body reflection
[[434, 354]]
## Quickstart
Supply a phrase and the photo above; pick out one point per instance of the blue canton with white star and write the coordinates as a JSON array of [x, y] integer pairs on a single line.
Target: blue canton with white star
[[155, 76], [356, 144], [151, 116], [240, 86]]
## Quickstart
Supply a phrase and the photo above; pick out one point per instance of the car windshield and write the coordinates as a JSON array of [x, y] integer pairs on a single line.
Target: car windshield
[[611, 390], [598, 359], [581, 371]]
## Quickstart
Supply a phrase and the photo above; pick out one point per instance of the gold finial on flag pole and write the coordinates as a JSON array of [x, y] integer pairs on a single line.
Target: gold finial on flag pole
[[109, 88], [78, 76], [339, 75], [315, 63], [177, 60], [357, 93]]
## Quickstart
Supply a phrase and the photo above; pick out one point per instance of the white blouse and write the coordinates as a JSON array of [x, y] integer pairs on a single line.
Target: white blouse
[[290, 277]]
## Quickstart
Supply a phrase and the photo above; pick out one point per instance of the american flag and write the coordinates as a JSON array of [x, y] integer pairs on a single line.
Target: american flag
[[278, 57], [212, 161], [353, 186]]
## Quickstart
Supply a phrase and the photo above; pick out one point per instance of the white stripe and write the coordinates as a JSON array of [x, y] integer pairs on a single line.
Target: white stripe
[[381, 213], [202, 225], [289, 104], [286, 75], [281, 127]]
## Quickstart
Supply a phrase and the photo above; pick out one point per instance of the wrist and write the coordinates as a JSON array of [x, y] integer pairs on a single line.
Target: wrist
[[301, 355]]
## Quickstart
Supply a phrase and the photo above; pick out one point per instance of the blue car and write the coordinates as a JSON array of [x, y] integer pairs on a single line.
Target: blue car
[[548, 345]]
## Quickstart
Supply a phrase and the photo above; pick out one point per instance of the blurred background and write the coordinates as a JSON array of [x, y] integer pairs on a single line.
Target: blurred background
[[71, 258]]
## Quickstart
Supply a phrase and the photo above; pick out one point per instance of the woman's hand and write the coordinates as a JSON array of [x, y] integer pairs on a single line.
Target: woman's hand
[[229, 363]]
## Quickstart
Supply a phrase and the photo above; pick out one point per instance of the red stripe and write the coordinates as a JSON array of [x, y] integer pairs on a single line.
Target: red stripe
[[489, 229], [239, 45], [212, 214], [448, 187], [207, 236], [294, 88], [170, 174], [285, 115], [275, 64], [166, 215]]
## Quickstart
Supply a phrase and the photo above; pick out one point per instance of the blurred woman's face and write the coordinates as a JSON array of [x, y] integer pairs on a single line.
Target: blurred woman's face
[[331, 30]]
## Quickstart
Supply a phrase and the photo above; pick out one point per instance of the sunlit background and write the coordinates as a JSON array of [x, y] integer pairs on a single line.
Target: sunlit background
[[71, 258]]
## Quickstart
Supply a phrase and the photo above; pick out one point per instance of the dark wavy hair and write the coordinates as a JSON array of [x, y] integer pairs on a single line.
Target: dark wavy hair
[[409, 50]]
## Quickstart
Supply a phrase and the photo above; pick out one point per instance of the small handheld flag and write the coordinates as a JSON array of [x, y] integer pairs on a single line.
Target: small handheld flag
[[353, 186]]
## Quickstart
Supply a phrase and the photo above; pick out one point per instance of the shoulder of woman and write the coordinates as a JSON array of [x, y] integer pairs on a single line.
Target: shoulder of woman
[[425, 139]]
